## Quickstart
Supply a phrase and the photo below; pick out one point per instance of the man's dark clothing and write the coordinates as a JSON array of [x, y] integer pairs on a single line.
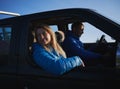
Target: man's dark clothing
[[74, 47]]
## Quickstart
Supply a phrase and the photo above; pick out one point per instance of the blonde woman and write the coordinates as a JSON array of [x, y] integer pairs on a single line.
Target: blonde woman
[[48, 54]]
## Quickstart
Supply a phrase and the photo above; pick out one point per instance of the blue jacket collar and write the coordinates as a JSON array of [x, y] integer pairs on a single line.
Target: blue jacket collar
[[70, 34]]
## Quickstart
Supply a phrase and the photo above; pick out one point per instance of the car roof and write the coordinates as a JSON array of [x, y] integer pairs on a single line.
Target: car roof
[[70, 15]]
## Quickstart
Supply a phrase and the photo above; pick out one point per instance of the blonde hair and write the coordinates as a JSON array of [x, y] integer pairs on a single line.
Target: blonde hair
[[54, 44]]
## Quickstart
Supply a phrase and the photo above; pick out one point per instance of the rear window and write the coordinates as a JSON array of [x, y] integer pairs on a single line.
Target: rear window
[[5, 36]]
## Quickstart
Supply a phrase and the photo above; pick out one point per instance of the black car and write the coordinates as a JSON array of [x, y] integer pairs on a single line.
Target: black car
[[18, 70]]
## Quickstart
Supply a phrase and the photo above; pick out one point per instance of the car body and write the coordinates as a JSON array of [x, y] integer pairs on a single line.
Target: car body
[[17, 69]]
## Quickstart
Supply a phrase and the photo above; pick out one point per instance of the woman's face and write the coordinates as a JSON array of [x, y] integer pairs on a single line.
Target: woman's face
[[43, 36]]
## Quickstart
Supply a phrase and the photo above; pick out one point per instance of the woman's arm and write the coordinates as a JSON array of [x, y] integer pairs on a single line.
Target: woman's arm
[[52, 64]]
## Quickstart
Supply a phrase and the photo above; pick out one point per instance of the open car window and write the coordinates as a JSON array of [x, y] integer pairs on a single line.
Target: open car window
[[92, 34]]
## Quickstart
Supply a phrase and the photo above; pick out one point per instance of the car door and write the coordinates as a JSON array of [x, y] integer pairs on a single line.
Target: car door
[[8, 62]]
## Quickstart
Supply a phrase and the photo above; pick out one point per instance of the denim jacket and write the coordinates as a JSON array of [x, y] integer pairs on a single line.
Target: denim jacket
[[52, 62]]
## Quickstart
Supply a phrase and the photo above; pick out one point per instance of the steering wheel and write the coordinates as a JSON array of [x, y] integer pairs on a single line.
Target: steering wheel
[[102, 40], [102, 46]]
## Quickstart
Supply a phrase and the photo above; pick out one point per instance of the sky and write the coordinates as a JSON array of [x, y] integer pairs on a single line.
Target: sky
[[108, 8]]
